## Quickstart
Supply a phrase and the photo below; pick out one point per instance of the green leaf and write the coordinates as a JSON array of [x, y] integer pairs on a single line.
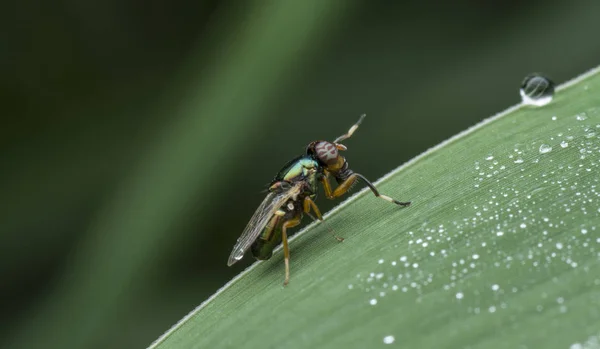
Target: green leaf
[[500, 249]]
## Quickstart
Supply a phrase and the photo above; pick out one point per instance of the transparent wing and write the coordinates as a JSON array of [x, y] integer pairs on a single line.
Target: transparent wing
[[264, 212]]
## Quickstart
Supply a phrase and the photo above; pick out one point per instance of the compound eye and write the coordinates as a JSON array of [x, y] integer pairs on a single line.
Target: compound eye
[[326, 152]]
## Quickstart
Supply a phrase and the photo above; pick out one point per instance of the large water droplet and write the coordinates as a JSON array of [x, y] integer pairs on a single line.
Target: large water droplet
[[545, 148], [564, 144], [537, 90]]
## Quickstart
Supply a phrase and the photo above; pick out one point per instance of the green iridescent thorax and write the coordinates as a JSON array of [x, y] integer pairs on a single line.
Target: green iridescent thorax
[[301, 168]]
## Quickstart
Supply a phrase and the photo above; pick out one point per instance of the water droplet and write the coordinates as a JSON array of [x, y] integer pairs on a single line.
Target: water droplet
[[373, 301], [545, 148], [380, 261], [495, 287], [518, 161], [564, 144], [590, 134], [537, 90], [500, 233], [554, 118], [491, 157], [388, 339], [459, 295], [581, 116]]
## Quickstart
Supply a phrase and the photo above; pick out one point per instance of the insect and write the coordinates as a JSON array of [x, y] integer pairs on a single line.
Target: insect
[[291, 194]]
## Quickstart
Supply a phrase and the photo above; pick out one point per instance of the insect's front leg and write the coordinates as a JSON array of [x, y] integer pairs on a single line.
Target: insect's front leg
[[347, 184], [324, 179], [286, 250]]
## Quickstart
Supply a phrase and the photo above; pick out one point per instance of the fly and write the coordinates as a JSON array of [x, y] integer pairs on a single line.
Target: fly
[[291, 194]]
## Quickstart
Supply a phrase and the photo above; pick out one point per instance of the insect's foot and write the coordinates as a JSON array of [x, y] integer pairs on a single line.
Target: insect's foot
[[339, 239], [403, 204]]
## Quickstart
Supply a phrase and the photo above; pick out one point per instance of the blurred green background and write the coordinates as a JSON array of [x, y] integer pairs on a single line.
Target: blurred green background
[[137, 136]]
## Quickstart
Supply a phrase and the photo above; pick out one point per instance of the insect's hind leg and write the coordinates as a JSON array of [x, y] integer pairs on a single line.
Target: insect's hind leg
[[286, 250], [350, 131]]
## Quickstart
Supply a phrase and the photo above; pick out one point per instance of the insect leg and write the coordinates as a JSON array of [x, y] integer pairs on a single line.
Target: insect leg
[[286, 250], [326, 186], [350, 131], [347, 184], [308, 205]]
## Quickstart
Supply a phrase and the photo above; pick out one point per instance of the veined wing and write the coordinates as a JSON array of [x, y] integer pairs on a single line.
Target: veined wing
[[272, 202]]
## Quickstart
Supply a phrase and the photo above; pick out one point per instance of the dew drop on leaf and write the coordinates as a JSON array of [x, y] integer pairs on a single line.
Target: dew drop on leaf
[[545, 148], [537, 90], [388, 339]]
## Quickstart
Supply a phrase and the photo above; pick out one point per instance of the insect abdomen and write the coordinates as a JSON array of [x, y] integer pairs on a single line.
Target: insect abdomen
[[270, 237]]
